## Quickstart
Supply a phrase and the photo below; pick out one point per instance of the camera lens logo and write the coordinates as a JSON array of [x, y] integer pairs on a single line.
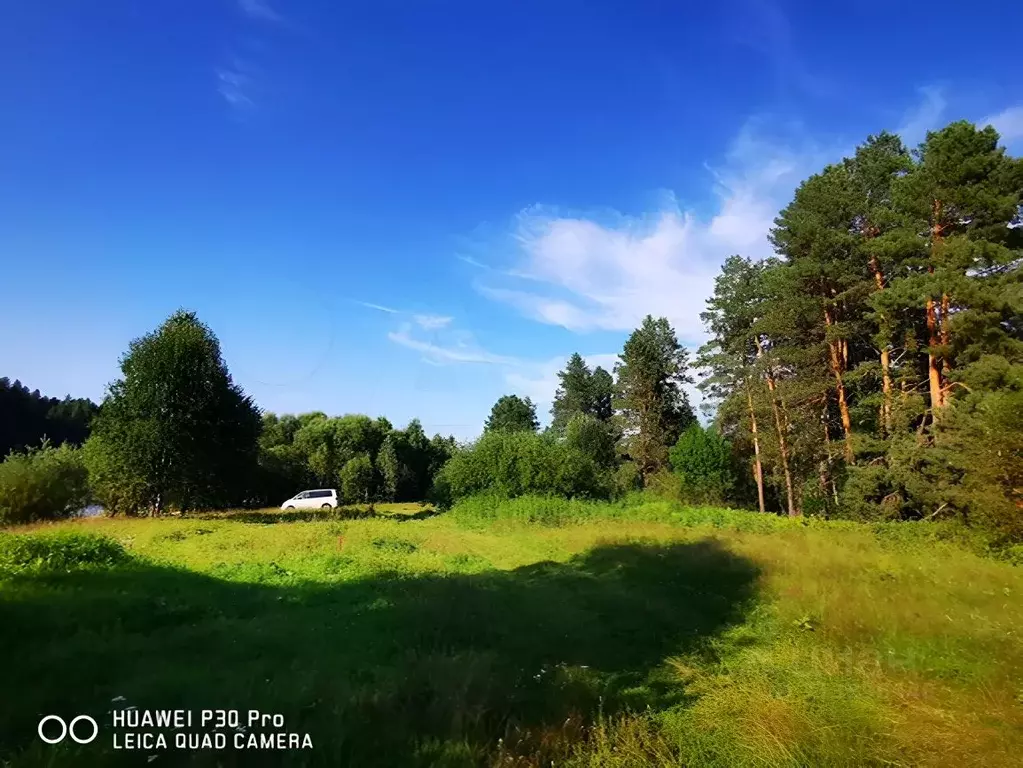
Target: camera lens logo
[[76, 729]]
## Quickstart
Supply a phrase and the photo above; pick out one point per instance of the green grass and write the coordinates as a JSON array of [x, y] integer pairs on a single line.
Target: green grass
[[521, 633]]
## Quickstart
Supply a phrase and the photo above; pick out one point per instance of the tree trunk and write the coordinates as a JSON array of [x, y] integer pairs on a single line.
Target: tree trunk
[[826, 476], [783, 447], [758, 469], [837, 367], [937, 390], [943, 335], [886, 368]]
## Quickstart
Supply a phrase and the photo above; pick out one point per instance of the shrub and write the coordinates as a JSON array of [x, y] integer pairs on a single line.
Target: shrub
[[627, 478], [703, 461], [59, 552], [664, 485], [552, 511], [113, 482], [510, 464], [592, 437], [42, 483], [357, 479]]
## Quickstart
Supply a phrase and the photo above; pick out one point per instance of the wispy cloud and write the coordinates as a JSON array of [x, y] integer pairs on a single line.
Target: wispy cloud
[[606, 272], [379, 307], [765, 28], [537, 379], [472, 262], [459, 352], [234, 83], [1008, 123], [923, 117], [432, 322], [259, 9]]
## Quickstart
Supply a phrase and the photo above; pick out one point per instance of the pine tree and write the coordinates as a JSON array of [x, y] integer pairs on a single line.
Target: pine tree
[[877, 164], [650, 400], [574, 394], [602, 387], [960, 199], [512, 413], [731, 353], [581, 392]]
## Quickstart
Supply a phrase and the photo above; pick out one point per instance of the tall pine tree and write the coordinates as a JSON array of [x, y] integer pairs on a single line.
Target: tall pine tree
[[650, 400]]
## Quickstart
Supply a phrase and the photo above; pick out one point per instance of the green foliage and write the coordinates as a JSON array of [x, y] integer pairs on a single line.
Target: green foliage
[[27, 418], [593, 438], [871, 371], [313, 449], [703, 460], [551, 511], [408, 461], [627, 478], [654, 409], [511, 464], [174, 431], [357, 479], [42, 483], [63, 551], [581, 391], [512, 414], [589, 633]]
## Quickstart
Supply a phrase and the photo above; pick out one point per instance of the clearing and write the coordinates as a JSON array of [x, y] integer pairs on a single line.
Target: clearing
[[647, 636]]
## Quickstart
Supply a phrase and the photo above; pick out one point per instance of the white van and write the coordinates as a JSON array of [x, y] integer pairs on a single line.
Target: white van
[[324, 498]]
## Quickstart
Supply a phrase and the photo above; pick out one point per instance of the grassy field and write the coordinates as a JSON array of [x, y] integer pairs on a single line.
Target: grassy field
[[591, 635]]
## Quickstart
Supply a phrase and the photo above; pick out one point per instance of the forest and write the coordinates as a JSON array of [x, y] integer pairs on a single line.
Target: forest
[[871, 370], [823, 568]]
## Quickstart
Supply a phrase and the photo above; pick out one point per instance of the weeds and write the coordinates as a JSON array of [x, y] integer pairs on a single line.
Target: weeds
[[521, 633]]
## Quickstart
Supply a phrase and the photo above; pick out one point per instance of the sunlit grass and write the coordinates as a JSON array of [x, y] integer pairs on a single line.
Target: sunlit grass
[[587, 634]]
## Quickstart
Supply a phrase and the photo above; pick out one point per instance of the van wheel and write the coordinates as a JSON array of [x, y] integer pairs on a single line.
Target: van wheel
[[325, 506], [289, 507]]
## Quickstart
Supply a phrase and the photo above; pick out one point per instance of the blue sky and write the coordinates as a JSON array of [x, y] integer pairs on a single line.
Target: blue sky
[[411, 208]]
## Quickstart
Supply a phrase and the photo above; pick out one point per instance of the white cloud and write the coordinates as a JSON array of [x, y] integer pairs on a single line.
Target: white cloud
[[462, 350], [379, 308], [536, 379], [472, 262], [606, 273], [235, 86], [259, 9], [1008, 123], [432, 322], [924, 117]]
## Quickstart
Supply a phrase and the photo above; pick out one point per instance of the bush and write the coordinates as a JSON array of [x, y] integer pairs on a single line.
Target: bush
[[43, 483], [664, 485], [357, 479], [58, 552], [703, 461], [592, 437], [510, 464], [113, 482], [627, 479], [552, 511]]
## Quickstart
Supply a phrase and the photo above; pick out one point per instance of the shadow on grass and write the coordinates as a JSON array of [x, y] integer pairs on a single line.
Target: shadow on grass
[[272, 517], [391, 670]]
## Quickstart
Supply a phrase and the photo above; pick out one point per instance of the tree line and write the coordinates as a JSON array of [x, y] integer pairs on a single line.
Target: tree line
[[175, 432], [871, 369], [874, 367], [28, 417], [609, 433]]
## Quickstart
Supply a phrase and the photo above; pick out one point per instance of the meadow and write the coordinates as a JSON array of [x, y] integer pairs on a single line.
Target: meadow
[[523, 633]]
